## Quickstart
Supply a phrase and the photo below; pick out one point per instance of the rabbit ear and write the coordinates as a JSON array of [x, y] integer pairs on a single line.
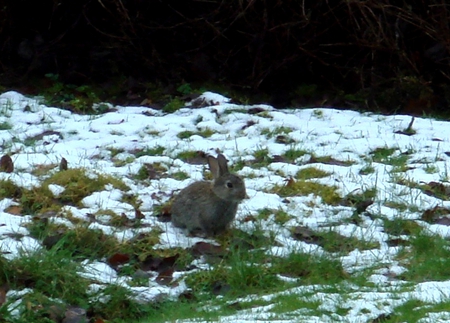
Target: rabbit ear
[[218, 166], [214, 166], [223, 167]]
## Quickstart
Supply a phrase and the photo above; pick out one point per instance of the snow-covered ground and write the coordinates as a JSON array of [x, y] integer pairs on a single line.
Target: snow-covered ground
[[88, 141]]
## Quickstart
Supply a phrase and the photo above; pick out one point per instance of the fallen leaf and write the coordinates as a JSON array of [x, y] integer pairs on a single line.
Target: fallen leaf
[[255, 110], [14, 209], [204, 248], [220, 288], [6, 164], [118, 259], [165, 277], [431, 215], [248, 124], [307, 235], [165, 214], [396, 242], [138, 214], [158, 264], [75, 315], [3, 290], [63, 164], [443, 221], [381, 318]]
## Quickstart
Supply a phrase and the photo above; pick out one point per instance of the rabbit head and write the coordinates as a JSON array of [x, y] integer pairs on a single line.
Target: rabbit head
[[226, 186]]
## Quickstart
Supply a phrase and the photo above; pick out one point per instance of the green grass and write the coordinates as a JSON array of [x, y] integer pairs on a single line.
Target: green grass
[[52, 273], [262, 158], [311, 172], [270, 133], [5, 125], [174, 105], [328, 194], [261, 254], [153, 151], [427, 258], [293, 153], [205, 133]]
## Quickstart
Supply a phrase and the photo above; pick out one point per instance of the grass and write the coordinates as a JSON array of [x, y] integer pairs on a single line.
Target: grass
[[270, 133], [153, 151], [205, 133], [5, 125], [293, 153], [328, 194], [77, 184], [257, 262], [311, 172], [427, 258]]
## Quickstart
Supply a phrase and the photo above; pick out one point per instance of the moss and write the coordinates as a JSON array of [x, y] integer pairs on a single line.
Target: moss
[[328, 194], [311, 172], [77, 185]]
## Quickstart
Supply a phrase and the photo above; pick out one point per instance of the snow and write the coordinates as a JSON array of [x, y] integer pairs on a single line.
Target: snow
[[87, 141]]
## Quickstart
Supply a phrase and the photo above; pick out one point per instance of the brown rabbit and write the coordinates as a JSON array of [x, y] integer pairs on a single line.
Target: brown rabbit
[[209, 207]]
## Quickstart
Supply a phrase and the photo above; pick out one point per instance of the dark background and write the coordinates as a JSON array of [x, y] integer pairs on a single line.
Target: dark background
[[389, 56]]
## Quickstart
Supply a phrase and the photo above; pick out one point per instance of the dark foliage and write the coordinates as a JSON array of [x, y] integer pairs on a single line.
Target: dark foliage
[[384, 53]]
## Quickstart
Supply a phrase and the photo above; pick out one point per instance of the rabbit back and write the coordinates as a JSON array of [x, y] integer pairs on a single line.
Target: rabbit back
[[198, 209]]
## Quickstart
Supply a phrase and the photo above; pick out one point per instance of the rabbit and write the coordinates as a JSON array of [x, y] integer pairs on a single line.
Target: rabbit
[[207, 208]]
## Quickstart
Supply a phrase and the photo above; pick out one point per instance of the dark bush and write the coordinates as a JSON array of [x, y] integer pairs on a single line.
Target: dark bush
[[379, 53]]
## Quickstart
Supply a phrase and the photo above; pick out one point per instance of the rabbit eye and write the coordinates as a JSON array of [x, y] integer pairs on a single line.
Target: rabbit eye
[[229, 185]]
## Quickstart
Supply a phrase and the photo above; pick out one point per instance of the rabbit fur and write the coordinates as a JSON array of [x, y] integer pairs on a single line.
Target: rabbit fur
[[207, 208]]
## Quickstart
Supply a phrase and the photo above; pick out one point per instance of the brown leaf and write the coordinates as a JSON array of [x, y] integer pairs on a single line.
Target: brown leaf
[[45, 133], [290, 181], [204, 248], [248, 124], [165, 215], [327, 161], [14, 209], [63, 164], [165, 277], [159, 264], [381, 318], [6, 164], [443, 221], [187, 296], [434, 213], [3, 290], [138, 214], [118, 259], [50, 241], [75, 315], [283, 139], [307, 235], [278, 159], [56, 312], [395, 242], [437, 190], [255, 110], [199, 159], [220, 288]]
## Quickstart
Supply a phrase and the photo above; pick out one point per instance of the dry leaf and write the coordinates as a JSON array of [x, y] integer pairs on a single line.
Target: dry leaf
[[63, 164], [165, 277], [3, 290], [118, 259], [204, 248], [75, 315], [14, 209], [6, 164], [138, 214]]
